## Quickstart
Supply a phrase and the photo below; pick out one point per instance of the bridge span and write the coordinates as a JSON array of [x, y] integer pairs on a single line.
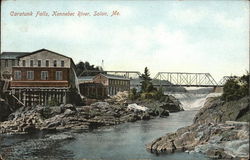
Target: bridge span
[[165, 79], [186, 79]]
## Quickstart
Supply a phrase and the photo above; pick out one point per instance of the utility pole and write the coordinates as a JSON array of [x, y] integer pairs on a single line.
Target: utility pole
[[103, 65]]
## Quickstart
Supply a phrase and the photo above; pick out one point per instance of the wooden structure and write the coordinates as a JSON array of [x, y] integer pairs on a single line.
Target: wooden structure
[[93, 90], [103, 85], [7, 61], [43, 76]]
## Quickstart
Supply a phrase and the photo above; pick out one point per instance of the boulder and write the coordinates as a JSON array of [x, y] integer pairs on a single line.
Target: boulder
[[68, 106], [119, 98], [164, 113], [153, 112], [216, 111], [136, 107], [145, 116], [102, 105], [68, 112]]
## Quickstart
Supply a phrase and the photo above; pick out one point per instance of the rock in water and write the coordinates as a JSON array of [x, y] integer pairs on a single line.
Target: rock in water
[[136, 107], [212, 133], [164, 113]]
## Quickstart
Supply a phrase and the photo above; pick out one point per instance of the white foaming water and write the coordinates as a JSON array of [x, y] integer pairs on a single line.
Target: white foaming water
[[193, 100], [77, 83]]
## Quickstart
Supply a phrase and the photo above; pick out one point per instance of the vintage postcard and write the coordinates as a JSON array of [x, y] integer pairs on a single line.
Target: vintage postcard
[[124, 80]]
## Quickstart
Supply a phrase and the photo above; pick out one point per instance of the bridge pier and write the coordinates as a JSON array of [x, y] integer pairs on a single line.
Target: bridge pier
[[218, 89]]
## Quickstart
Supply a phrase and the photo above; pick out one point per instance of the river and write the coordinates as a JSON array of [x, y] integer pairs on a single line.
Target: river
[[122, 142]]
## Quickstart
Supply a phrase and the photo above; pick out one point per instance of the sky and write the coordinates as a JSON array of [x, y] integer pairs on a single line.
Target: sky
[[166, 36]]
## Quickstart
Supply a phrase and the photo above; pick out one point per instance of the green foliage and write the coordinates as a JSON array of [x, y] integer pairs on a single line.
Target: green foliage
[[148, 91], [85, 66], [159, 94], [148, 95], [155, 94], [133, 95], [236, 88], [146, 75], [244, 80], [147, 85]]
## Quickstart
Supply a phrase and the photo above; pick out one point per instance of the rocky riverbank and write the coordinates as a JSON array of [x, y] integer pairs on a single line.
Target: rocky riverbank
[[69, 117], [219, 131]]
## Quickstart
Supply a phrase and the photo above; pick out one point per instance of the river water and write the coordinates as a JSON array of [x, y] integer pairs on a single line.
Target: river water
[[122, 142]]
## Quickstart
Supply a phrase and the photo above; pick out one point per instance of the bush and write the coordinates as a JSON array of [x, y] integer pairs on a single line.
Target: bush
[[236, 88], [148, 95], [159, 94], [133, 95], [155, 94]]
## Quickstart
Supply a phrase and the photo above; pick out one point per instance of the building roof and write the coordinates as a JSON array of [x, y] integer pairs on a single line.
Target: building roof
[[43, 49], [15, 55], [109, 76], [12, 55], [86, 78]]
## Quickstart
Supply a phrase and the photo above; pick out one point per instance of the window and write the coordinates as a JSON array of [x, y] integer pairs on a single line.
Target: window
[[13, 62], [55, 63], [44, 75], [31, 63], [58, 75], [30, 75], [17, 75], [62, 63], [39, 63], [24, 63], [6, 63], [47, 63]]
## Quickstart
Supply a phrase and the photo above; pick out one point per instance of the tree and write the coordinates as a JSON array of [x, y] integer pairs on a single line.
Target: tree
[[86, 66], [146, 75], [147, 85], [236, 88], [244, 81], [231, 90], [148, 91]]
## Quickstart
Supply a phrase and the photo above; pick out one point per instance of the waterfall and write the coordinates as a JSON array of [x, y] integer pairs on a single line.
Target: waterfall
[[76, 82], [193, 100], [190, 101]]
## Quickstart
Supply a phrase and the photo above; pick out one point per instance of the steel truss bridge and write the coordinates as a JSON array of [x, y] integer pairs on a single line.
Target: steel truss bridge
[[186, 79], [166, 79]]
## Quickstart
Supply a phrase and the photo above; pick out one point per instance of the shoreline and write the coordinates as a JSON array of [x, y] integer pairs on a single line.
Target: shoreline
[[68, 117], [215, 132]]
